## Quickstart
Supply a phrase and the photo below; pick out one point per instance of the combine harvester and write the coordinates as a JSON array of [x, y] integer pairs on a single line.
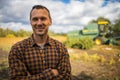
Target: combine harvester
[[101, 33]]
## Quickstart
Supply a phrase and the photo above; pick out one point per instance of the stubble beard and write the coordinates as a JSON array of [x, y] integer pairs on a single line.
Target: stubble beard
[[43, 35]]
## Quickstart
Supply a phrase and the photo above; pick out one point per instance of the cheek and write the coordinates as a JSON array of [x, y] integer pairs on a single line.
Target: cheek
[[48, 23], [33, 24]]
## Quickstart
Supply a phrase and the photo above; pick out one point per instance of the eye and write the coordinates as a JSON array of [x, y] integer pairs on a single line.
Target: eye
[[43, 18], [35, 19]]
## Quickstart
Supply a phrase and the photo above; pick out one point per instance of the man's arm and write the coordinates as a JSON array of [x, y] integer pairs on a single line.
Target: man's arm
[[18, 70], [64, 67]]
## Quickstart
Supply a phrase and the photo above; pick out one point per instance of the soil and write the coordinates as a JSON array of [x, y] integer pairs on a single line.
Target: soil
[[86, 70]]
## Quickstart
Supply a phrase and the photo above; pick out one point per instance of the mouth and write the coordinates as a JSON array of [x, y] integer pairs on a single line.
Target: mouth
[[40, 29]]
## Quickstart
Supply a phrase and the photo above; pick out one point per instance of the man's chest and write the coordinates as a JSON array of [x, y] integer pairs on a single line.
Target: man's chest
[[37, 59]]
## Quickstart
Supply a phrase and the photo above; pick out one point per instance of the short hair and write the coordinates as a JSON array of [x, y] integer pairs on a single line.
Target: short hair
[[40, 7]]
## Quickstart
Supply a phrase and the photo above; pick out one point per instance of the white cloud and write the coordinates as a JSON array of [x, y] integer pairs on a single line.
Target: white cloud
[[16, 26], [66, 17]]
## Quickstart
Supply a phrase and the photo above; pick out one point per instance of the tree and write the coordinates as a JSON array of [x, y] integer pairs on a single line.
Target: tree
[[103, 19], [23, 33], [116, 27], [8, 31], [11, 33], [100, 19], [1, 32]]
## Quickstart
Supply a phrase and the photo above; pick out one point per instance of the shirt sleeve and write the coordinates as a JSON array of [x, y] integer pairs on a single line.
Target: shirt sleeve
[[18, 70], [64, 67]]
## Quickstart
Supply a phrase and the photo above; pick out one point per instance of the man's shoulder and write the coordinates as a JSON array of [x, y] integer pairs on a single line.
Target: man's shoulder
[[22, 43], [57, 43], [60, 46]]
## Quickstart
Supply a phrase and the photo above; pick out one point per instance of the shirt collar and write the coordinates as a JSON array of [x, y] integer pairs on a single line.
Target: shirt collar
[[49, 41], [33, 43]]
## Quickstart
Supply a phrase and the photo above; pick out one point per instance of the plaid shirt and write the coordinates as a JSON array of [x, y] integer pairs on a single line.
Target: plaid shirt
[[27, 61]]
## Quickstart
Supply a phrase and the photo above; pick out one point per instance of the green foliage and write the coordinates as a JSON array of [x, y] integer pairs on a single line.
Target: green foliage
[[11, 33], [10, 36], [100, 19], [103, 19], [80, 43], [22, 33], [116, 28]]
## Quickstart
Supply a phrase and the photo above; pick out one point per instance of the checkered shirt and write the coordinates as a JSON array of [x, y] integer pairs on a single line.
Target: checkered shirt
[[28, 61]]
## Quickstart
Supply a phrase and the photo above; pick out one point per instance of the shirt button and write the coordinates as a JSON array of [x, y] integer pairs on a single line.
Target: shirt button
[[44, 61]]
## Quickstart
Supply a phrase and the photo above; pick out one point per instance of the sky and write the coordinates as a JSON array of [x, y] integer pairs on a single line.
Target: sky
[[67, 15]]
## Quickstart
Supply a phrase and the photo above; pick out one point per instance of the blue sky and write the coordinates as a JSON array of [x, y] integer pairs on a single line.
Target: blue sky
[[105, 2], [66, 15], [65, 1]]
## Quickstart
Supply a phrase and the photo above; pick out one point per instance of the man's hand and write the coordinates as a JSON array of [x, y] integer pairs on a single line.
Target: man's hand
[[55, 71]]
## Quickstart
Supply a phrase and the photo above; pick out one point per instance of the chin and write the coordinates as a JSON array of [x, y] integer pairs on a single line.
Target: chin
[[40, 34]]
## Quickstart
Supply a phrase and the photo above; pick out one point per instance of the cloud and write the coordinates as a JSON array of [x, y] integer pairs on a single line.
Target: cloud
[[16, 26], [66, 17], [3, 2]]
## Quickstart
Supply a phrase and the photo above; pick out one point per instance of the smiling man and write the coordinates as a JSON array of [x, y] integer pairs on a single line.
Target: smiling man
[[39, 57]]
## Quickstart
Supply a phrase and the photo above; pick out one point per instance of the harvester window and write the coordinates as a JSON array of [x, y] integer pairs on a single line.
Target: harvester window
[[101, 28]]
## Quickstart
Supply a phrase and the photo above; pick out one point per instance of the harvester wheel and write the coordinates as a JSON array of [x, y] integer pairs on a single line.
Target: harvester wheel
[[98, 41]]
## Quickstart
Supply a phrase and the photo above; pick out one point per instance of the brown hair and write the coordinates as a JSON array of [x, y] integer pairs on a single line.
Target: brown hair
[[40, 7]]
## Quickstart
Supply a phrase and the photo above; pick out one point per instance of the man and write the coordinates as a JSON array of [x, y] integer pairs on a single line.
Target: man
[[39, 57]]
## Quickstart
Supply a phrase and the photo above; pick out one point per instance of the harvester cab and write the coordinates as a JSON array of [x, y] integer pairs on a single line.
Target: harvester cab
[[104, 29]]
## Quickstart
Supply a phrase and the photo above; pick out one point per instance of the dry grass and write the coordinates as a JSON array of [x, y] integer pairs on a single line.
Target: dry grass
[[6, 43], [60, 38]]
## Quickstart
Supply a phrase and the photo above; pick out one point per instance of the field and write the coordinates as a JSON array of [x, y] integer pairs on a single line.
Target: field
[[6, 43], [101, 62]]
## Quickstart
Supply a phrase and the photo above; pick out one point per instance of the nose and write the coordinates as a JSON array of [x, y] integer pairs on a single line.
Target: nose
[[39, 22]]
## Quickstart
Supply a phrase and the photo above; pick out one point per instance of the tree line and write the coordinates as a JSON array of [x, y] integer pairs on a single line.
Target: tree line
[[11, 33]]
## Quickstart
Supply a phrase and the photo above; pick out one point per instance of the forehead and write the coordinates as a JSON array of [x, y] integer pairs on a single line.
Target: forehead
[[39, 12]]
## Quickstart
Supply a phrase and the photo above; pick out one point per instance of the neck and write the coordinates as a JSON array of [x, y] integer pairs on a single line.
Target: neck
[[40, 40]]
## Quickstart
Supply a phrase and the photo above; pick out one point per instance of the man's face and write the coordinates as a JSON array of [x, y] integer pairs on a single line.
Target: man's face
[[40, 21]]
